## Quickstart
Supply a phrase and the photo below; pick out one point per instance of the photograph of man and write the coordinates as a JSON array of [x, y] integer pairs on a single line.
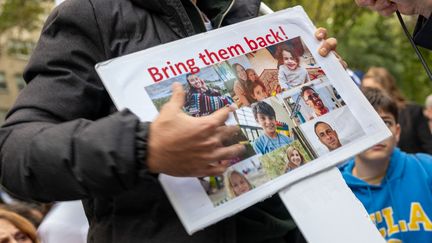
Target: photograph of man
[[313, 100], [270, 140], [202, 100], [327, 135]]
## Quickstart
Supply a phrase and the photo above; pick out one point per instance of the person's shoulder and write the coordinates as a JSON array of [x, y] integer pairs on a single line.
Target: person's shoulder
[[421, 160]]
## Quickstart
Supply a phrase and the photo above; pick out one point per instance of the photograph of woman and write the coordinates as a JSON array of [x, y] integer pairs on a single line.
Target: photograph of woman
[[294, 158]]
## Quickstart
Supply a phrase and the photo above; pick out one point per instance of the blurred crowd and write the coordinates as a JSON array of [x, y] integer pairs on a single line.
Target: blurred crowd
[[34, 222]]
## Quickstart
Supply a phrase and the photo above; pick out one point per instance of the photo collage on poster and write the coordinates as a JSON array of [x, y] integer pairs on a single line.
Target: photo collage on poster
[[288, 112]]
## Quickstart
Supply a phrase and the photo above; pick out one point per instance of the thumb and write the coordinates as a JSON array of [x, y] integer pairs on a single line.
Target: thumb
[[177, 99]]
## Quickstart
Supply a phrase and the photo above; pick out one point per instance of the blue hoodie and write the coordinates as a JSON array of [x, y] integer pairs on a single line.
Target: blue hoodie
[[401, 207]]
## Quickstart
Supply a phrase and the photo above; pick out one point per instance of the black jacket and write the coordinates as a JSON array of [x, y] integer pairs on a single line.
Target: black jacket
[[64, 140], [423, 32], [415, 136]]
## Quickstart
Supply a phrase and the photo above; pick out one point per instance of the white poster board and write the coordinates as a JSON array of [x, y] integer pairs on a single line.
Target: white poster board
[[326, 99]]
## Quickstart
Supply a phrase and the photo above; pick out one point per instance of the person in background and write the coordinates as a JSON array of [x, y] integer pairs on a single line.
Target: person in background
[[428, 111], [414, 135], [14, 228], [393, 186], [31, 211]]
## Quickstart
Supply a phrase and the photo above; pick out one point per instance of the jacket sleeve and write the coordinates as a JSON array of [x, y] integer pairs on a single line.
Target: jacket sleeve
[[58, 142]]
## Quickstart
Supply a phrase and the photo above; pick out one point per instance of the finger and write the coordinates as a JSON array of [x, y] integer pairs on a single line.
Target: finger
[[177, 99], [210, 143], [227, 152], [381, 5], [215, 170], [218, 117], [389, 11], [321, 33], [229, 135], [365, 3], [341, 60], [328, 46]]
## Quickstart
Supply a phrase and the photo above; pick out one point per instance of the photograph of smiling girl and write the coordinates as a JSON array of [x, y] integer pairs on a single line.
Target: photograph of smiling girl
[[295, 64]]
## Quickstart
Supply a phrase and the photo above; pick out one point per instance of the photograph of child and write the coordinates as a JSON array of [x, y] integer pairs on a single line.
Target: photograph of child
[[290, 72], [265, 115], [236, 183], [332, 131]]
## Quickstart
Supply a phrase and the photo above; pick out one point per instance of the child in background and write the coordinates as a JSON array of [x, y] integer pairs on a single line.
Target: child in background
[[394, 186], [236, 184], [290, 74]]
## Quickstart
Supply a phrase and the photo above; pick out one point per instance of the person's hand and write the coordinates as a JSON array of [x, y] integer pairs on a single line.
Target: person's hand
[[329, 45], [181, 145], [407, 7], [383, 7]]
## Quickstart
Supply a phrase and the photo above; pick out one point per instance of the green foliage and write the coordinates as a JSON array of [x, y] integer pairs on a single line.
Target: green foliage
[[21, 14], [366, 39]]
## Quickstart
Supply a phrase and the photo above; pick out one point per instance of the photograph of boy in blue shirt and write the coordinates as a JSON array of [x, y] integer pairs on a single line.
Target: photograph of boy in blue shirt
[[270, 139], [394, 187]]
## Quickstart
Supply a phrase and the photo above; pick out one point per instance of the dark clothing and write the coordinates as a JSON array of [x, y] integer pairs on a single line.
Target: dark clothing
[[415, 135], [64, 140], [423, 32]]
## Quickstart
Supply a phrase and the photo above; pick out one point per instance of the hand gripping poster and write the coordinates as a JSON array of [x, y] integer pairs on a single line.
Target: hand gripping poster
[[299, 113]]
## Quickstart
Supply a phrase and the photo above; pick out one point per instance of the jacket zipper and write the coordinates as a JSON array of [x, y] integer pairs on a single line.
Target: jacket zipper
[[223, 16], [200, 14]]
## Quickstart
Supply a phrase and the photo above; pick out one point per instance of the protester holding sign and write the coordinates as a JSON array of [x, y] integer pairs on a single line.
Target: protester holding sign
[[73, 144]]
